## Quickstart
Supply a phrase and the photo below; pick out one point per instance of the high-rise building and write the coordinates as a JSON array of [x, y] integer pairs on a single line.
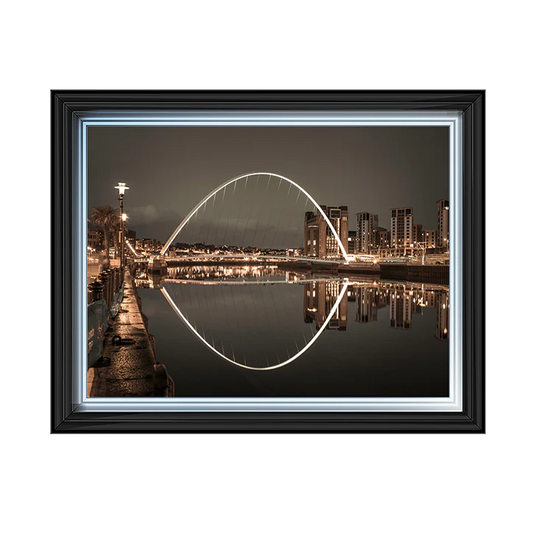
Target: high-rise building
[[364, 226], [402, 233], [351, 242], [430, 238], [418, 234], [319, 240], [443, 224]]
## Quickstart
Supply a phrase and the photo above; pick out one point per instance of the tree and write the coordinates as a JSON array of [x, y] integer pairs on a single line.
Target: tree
[[106, 218]]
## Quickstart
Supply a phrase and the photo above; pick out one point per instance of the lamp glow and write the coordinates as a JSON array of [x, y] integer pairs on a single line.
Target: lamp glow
[[121, 187]]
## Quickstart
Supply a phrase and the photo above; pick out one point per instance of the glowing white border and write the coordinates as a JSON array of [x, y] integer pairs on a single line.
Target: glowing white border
[[449, 119]]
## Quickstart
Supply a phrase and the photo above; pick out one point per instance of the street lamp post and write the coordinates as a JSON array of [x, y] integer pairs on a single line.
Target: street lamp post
[[121, 190]]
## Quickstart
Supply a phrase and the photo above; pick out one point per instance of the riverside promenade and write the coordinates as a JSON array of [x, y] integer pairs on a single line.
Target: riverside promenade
[[132, 370]]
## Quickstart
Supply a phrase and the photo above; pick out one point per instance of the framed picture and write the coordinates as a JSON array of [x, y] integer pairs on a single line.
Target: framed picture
[[268, 261]]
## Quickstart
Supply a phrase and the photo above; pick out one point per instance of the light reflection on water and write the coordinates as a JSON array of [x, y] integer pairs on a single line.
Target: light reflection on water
[[316, 335]]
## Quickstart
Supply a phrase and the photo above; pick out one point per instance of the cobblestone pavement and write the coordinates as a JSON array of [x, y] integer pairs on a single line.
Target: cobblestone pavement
[[131, 369]]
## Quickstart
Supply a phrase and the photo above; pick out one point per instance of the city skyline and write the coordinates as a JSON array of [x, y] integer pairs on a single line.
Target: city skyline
[[381, 167], [369, 235]]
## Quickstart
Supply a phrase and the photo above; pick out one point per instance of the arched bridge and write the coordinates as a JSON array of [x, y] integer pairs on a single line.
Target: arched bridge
[[231, 185]]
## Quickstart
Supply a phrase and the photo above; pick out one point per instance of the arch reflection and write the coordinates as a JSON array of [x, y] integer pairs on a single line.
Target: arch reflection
[[199, 331], [262, 317]]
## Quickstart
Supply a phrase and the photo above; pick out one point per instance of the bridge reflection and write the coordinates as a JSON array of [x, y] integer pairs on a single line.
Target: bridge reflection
[[254, 356], [248, 314]]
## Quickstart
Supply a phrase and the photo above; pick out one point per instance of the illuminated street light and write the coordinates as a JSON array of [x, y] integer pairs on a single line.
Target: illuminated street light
[[121, 190]]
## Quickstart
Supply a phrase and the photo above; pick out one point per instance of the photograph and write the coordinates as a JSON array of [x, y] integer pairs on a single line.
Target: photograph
[[268, 262]]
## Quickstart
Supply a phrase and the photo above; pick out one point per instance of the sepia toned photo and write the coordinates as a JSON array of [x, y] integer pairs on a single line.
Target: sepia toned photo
[[268, 262]]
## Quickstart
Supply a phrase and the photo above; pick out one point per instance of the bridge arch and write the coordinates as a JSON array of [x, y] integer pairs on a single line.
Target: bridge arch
[[244, 176]]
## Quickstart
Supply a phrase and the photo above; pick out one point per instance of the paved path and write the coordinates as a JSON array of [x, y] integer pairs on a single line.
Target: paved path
[[131, 372]]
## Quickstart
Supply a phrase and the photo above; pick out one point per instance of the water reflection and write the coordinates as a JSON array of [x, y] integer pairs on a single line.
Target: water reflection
[[220, 272], [404, 300], [248, 315], [149, 280], [268, 348]]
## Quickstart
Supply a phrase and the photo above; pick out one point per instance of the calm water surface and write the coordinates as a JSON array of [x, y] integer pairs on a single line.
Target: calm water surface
[[225, 331]]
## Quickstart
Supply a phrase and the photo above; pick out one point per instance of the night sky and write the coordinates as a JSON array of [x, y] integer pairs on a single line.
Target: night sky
[[170, 169]]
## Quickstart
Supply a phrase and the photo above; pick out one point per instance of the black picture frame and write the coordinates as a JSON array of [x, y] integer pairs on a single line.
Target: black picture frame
[[66, 417]]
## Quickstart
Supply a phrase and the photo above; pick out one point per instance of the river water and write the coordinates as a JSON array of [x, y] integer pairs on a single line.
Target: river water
[[248, 331]]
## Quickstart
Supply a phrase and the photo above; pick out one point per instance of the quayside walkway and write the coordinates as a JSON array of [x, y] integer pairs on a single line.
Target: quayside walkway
[[132, 370]]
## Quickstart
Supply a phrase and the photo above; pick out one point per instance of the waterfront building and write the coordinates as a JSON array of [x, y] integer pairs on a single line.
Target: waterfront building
[[381, 237], [402, 235], [364, 226], [94, 239], [292, 252], [351, 242], [443, 224], [430, 238], [149, 245], [418, 233], [319, 240]]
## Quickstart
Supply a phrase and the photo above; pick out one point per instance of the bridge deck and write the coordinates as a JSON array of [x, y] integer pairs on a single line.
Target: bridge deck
[[258, 258]]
